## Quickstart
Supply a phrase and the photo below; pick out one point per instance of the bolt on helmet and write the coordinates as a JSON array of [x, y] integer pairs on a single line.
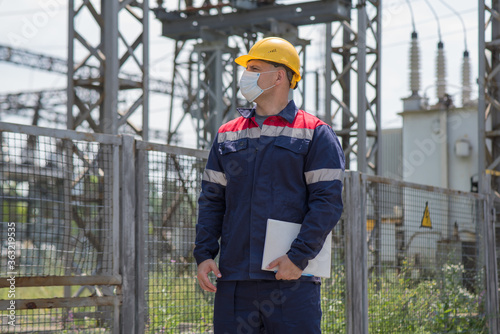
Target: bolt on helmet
[[276, 50]]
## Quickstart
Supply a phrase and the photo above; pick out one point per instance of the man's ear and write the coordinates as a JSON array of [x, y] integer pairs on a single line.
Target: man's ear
[[282, 76]]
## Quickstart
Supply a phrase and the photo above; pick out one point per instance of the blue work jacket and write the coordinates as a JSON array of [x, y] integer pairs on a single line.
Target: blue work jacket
[[291, 170]]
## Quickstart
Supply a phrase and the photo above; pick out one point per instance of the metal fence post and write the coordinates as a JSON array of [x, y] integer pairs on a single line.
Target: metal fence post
[[112, 206], [127, 237], [490, 256], [141, 275], [356, 254]]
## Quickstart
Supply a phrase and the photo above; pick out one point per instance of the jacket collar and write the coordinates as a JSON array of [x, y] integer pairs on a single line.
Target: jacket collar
[[288, 113]]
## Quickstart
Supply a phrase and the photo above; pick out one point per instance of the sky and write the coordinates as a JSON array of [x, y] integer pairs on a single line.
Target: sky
[[41, 26]]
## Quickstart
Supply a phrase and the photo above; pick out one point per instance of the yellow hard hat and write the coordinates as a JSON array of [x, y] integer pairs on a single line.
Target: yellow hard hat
[[277, 50]]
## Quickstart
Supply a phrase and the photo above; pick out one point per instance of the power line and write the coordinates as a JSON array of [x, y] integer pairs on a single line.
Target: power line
[[405, 43], [437, 19], [461, 21], [431, 20], [412, 16]]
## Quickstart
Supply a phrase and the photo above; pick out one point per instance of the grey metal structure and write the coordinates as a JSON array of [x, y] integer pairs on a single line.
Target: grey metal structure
[[47, 104], [112, 54], [21, 103], [50, 106], [33, 60], [356, 53], [58, 65], [208, 38], [489, 92], [209, 76], [489, 123]]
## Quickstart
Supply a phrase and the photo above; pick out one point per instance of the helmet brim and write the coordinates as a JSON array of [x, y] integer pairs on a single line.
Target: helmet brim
[[243, 60]]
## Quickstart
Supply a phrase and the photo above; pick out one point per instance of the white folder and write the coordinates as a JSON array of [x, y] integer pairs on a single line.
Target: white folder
[[279, 238]]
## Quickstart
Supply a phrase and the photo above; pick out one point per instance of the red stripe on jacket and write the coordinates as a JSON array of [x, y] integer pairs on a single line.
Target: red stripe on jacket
[[302, 120]]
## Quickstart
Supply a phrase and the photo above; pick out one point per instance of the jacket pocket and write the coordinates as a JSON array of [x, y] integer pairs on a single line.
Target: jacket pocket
[[234, 156], [295, 145]]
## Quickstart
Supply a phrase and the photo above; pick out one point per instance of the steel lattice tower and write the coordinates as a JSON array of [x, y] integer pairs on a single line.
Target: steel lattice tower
[[203, 82], [109, 56], [489, 130], [489, 90], [212, 35]]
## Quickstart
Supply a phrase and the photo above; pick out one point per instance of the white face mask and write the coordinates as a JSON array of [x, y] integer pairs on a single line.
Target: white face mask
[[249, 87]]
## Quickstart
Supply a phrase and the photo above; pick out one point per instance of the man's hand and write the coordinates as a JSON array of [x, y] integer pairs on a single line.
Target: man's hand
[[287, 270], [203, 269]]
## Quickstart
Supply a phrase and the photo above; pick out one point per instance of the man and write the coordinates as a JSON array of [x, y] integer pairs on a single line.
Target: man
[[278, 162]]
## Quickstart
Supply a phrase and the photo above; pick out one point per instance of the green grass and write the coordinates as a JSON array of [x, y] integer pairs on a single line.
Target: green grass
[[400, 304], [397, 303], [174, 298]]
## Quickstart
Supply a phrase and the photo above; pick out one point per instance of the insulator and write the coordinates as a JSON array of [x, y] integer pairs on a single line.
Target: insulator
[[440, 72], [414, 65], [466, 83]]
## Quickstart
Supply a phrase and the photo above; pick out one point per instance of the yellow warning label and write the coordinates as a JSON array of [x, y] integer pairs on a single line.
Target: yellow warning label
[[426, 219], [370, 224]]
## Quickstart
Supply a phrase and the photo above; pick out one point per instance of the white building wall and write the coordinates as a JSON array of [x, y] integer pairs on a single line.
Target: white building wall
[[430, 157], [429, 147], [462, 124], [422, 147]]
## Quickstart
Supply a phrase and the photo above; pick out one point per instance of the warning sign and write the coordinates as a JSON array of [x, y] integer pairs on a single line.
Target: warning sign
[[426, 219]]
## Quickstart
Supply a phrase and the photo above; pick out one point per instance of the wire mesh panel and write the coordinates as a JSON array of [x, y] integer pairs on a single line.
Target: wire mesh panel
[[57, 193], [55, 220], [424, 261], [175, 302], [88, 320], [333, 289]]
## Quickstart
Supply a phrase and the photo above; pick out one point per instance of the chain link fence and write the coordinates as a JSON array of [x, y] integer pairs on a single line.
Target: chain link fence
[[55, 222], [424, 260], [105, 228], [175, 303]]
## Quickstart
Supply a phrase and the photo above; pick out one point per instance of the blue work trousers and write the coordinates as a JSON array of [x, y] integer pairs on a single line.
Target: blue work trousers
[[267, 307]]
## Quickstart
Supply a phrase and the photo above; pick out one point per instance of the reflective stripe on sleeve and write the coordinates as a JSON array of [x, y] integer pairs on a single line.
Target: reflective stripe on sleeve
[[325, 174], [215, 177]]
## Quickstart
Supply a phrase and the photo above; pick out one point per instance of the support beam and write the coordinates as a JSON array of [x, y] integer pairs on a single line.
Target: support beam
[[50, 303], [356, 52], [210, 87], [489, 92], [362, 79], [356, 269], [88, 72], [33, 60], [214, 93], [178, 25], [105, 116], [128, 236], [50, 104], [490, 246], [23, 282]]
